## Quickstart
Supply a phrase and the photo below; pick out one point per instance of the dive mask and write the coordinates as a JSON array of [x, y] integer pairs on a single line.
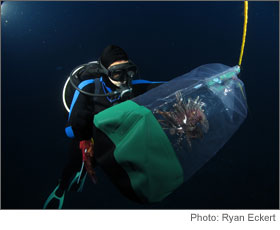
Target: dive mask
[[122, 72]]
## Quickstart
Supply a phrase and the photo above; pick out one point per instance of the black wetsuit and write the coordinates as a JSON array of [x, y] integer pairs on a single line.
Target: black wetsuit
[[83, 108]]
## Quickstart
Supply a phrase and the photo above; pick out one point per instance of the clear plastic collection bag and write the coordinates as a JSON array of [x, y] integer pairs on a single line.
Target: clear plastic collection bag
[[199, 112]]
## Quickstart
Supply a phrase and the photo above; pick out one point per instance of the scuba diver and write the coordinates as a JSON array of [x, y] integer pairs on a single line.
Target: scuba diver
[[90, 89]]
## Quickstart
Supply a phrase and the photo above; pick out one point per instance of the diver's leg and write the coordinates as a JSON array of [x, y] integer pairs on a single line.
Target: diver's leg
[[56, 198], [73, 165]]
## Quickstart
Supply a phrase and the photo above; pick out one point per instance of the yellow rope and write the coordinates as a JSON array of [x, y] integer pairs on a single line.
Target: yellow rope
[[244, 31]]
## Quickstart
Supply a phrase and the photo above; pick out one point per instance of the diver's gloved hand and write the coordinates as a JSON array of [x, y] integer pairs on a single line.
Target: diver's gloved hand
[[86, 147], [55, 199]]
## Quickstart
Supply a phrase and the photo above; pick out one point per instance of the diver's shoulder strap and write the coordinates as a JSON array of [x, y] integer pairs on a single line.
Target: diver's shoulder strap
[[97, 86]]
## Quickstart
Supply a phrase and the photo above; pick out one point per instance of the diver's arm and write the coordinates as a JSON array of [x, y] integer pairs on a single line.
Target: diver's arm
[[81, 115], [142, 86], [150, 86]]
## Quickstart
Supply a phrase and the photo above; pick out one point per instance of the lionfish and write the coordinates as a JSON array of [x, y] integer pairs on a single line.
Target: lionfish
[[187, 120]]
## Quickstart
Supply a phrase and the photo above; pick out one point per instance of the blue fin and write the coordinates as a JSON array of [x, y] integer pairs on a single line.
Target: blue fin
[[78, 180], [53, 196]]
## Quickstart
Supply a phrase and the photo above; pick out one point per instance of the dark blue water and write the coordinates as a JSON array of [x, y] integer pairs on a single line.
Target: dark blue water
[[43, 41]]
